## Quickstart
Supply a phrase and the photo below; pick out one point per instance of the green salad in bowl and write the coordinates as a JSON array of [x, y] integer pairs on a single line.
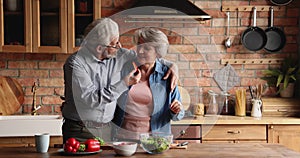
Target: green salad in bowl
[[155, 143]]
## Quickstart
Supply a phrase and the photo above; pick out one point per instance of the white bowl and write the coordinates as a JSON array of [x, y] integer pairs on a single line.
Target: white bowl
[[125, 148]]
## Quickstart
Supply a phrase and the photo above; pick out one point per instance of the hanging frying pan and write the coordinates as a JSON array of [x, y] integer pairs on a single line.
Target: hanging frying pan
[[254, 38], [281, 2], [276, 37]]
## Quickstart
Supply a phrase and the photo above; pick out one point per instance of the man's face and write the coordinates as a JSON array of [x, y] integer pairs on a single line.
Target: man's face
[[111, 49]]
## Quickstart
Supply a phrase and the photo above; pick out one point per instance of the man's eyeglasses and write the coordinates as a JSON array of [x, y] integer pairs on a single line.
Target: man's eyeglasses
[[115, 46]]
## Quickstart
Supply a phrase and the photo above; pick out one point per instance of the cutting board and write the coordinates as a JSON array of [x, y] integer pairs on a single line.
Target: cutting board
[[11, 95]]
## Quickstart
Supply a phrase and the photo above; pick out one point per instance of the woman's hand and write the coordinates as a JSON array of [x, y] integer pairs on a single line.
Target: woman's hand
[[134, 76], [176, 106]]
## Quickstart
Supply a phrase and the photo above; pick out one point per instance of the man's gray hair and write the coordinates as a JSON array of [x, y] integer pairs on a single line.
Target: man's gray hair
[[101, 31], [155, 37]]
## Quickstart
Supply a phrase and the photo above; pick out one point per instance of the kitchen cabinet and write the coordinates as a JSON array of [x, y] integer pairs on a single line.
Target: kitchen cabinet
[[234, 133], [46, 26], [287, 135], [189, 133]]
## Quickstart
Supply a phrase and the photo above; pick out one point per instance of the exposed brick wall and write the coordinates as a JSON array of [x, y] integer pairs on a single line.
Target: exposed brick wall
[[196, 48]]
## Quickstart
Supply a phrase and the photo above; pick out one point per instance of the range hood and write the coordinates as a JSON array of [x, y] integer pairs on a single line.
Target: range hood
[[167, 9]]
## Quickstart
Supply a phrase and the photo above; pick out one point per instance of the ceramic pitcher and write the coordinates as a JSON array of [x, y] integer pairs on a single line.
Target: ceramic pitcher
[[256, 108]]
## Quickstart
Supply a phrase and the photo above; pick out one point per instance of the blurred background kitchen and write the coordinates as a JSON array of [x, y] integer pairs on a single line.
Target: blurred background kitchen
[[38, 35]]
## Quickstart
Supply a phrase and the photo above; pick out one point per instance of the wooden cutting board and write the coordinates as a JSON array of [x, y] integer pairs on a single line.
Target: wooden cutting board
[[11, 95]]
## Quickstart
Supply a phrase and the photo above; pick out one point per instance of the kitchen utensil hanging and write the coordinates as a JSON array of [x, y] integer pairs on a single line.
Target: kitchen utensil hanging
[[228, 40], [281, 2], [276, 37], [254, 38], [226, 78]]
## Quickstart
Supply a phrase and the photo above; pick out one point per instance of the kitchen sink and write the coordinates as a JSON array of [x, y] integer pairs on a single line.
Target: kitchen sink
[[28, 125]]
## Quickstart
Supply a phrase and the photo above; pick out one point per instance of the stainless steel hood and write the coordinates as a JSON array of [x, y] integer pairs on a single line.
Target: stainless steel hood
[[167, 9]]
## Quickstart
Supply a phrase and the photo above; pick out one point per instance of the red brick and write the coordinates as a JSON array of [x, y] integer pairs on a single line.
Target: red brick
[[34, 73], [291, 30], [208, 4], [185, 31], [52, 82], [190, 57], [255, 67], [190, 82], [182, 48], [196, 40], [286, 21], [172, 57], [106, 3], [22, 64], [175, 39], [56, 73], [51, 100], [10, 73], [187, 74], [246, 73], [293, 12], [199, 65], [2, 64], [28, 100], [40, 57], [51, 65], [11, 56], [127, 39], [123, 3], [61, 57]]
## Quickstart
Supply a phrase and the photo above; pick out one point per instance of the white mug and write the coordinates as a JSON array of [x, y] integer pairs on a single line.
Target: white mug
[[256, 108], [42, 142]]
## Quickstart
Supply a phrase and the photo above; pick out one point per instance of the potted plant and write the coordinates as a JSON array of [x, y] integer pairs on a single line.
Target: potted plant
[[284, 77]]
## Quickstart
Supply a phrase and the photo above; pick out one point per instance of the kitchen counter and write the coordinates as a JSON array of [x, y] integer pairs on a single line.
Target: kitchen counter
[[227, 119], [194, 150]]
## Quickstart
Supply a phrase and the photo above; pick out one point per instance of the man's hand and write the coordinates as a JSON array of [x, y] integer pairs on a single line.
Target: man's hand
[[173, 74], [176, 106], [134, 76]]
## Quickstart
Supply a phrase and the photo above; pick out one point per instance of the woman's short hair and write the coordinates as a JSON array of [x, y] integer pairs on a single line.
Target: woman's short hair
[[153, 36]]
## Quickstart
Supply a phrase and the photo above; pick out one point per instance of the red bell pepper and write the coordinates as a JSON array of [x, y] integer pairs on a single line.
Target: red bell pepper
[[71, 145], [92, 145]]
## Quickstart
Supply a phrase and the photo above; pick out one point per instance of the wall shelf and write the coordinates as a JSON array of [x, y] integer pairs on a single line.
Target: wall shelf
[[251, 61], [250, 8]]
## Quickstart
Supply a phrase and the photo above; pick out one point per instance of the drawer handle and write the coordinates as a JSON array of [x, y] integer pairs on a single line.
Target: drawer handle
[[233, 132], [182, 132], [282, 110]]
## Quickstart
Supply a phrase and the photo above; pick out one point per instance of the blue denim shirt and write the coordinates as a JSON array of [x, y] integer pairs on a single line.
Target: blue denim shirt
[[162, 98]]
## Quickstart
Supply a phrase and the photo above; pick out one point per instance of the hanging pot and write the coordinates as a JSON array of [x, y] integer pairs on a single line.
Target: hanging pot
[[254, 38], [276, 37], [281, 2]]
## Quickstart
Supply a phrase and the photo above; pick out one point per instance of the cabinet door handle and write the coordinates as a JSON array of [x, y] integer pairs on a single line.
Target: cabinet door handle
[[279, 110], [182, 132], [233, 132]]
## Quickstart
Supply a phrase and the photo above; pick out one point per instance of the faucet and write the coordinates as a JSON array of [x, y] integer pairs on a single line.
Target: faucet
[[35, 108]]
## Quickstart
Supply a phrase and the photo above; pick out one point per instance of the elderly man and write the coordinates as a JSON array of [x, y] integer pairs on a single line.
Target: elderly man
[[93, 82]]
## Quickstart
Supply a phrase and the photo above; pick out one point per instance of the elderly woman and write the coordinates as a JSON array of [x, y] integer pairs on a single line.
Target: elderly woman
[[149, 105]]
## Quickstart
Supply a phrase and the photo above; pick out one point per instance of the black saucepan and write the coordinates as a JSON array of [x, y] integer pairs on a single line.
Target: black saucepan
[[254, 38], [281, 2], [276, 37]]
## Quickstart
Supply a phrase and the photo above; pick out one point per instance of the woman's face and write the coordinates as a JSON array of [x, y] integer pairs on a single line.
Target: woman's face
[[146, 53]]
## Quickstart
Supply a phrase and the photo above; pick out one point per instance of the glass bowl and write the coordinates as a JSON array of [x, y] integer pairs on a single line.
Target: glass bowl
[[156, 143]]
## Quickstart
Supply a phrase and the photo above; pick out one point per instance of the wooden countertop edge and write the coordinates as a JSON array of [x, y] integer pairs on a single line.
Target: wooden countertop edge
[[224, 119]]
